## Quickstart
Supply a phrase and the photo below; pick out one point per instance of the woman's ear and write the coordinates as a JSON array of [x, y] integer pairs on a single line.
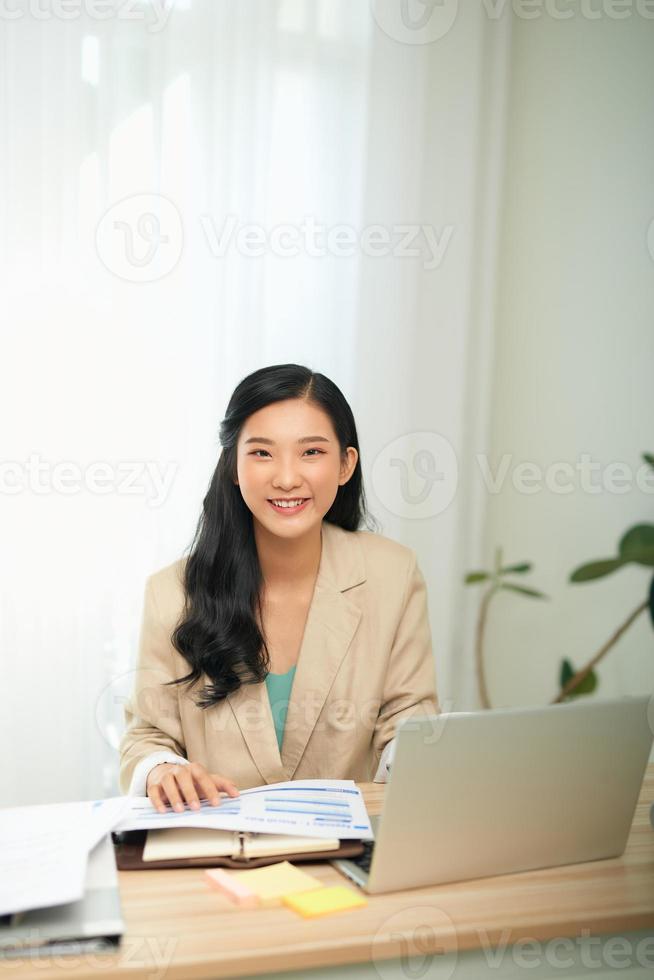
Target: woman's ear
[[348, 465]]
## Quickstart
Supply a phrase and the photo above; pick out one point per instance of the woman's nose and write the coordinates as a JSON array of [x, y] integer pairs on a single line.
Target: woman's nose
[[286, 477]]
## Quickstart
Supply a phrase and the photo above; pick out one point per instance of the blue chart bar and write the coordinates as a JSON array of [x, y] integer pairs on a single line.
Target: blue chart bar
[[275, 799], [293, 809], [227, 809], [300, 789]]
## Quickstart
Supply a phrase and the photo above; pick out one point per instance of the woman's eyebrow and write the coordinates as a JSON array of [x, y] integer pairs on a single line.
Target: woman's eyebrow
[[270, 442]]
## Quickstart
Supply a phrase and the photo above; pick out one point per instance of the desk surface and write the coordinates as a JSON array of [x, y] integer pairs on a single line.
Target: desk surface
[[177, 928]]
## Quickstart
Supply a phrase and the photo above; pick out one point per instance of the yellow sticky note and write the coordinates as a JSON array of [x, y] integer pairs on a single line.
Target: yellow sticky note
[[336, 898], [272, 882]]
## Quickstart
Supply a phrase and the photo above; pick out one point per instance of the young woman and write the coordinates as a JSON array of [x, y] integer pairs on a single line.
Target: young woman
[[290, 642]]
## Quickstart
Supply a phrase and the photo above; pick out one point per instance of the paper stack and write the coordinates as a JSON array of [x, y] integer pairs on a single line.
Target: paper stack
[[44, 850]]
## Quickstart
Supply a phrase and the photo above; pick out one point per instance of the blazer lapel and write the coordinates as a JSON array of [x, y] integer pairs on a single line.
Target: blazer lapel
[[331, 623]]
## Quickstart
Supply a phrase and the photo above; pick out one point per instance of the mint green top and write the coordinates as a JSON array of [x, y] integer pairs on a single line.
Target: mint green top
[[279, 691]]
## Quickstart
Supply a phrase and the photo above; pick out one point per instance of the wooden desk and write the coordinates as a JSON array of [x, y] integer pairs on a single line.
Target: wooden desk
[[177, 929]]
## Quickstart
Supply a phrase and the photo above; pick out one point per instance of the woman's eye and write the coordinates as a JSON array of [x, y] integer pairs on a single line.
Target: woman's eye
[[320, 451]]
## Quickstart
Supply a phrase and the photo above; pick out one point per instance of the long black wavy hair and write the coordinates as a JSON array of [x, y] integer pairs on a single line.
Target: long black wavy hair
[[218, 633]]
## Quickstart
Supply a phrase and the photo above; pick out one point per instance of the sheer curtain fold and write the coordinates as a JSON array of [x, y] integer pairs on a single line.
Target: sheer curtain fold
[[262, 116]]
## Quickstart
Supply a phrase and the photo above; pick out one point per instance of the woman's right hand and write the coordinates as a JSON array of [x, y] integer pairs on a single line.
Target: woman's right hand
[[174, 784]]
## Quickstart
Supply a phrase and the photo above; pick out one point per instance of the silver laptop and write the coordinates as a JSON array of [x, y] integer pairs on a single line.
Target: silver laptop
[[474, 794]]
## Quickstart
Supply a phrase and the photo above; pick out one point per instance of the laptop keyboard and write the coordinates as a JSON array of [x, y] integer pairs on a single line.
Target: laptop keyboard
[[364, 859]]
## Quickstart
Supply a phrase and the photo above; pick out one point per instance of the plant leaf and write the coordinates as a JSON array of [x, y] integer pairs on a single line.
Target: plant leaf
[[524, 566], [473, 577], [596, 569], [567, 671], [637, 544], [649, 458], [587, 686], [523, 590]]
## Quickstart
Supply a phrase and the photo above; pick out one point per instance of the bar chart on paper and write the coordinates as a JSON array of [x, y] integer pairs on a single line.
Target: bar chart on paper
[[309, 807]]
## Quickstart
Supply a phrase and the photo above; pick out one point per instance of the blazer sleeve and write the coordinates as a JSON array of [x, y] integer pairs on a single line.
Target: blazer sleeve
[[410, 683], [152, 718]]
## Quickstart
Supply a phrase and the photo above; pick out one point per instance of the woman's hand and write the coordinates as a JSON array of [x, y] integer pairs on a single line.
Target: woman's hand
[[173, 783]]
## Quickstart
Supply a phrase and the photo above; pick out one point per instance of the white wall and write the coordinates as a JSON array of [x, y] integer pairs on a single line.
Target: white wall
[[574, 344]]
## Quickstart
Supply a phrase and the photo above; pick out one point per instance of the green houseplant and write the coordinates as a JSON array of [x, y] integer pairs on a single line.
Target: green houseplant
[[636, 546]]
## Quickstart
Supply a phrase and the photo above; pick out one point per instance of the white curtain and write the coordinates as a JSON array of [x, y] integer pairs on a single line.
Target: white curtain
[[189, 194]]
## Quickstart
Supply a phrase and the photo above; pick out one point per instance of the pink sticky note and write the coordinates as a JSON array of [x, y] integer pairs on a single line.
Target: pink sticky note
[[235, 891]]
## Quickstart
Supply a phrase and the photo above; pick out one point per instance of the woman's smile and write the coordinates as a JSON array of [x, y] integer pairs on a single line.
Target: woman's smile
[[289, 506]]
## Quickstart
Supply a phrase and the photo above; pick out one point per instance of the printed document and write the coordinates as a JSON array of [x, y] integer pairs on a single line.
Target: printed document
[[44, 850], [307, 807]]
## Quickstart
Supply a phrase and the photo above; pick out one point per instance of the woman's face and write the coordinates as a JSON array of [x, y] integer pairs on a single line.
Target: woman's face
[[289, 451]]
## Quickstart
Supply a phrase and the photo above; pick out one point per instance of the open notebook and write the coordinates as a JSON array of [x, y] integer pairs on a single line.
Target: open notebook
[[197, 847], [196, 842]]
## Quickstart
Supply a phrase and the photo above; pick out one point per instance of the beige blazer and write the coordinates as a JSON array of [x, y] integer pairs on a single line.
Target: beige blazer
[[365, 663]]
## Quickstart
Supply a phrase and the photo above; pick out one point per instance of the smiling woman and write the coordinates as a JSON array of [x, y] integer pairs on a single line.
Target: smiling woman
[[280, 575]]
